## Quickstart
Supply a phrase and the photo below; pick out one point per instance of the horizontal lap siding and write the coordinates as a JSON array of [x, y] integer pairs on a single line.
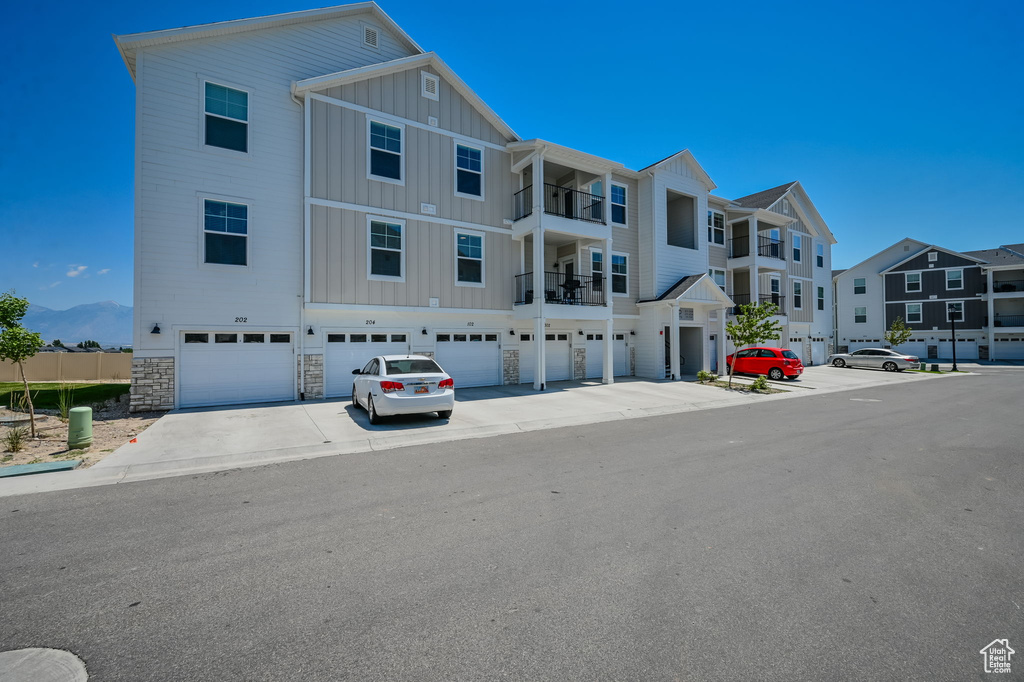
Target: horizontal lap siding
[[626, 240], [339, 252]]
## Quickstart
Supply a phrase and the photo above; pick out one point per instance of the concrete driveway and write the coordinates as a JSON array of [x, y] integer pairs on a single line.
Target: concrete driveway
[[215, 439]]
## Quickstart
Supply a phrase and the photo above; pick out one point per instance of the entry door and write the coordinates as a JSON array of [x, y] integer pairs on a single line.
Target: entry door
[[713, 340]]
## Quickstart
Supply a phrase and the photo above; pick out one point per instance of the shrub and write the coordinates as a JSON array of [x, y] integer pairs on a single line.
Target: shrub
[[703, 376], [14, 441], [65, 400], [760, 383]]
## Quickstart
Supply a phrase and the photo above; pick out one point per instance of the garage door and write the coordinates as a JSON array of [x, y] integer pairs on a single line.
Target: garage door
[[220, 368], [470, 359], [346, 352], [1009, 348], [918, 348], [595, 356], [966, 349], [818, 354], [559, 357]]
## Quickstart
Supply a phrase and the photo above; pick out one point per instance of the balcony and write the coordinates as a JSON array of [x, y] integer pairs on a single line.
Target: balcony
[[744, 299], [561, 289], [766, 247], [1009, 320], [1005, 286], [560, 201]]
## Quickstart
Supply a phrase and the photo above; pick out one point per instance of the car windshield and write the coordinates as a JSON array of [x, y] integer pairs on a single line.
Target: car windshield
[[411, 366], [790, 354]]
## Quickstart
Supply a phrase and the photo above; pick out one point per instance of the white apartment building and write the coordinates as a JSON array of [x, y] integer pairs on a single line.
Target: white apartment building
[[313, 189]]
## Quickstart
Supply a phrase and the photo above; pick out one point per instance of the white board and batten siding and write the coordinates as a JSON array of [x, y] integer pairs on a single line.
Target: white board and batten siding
[[671, 263]]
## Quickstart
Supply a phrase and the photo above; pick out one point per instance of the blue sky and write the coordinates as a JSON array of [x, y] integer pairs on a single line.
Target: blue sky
[[900, 119]]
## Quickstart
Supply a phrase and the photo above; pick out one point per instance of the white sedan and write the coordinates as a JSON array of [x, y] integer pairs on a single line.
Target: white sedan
[[402, 384]]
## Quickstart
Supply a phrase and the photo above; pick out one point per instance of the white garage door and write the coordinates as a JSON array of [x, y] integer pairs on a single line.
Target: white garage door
[[559, 357], [595, 356], [818, 354], [1009, 348], [916, 348], [346, 352], [220, 368], [857, 345], [966, 349], [470, 359]]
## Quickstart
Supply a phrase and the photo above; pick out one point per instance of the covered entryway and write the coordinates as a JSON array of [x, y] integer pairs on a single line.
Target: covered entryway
[[558, 352], [470, 359], [232, 368], [346, 352]]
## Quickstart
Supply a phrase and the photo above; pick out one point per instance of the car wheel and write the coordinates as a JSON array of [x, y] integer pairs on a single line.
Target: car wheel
[[374, 417], [839, 362], [444, 414], [355, 400], [889, 367], [775, 374]]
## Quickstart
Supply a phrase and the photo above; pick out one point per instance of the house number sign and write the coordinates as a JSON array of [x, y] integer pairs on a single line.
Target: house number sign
[[241, 319]]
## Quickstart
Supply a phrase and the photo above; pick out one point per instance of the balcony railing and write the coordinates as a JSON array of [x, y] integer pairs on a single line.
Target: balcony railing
[[560, 288], [744, 299], [1010, 320], [1005, 286], [766, 247], [560, 201]]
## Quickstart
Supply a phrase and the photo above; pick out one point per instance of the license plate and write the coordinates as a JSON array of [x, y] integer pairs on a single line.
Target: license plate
[[422, 389]]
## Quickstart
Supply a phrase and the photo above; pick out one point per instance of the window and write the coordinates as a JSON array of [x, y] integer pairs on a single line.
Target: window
[[619, 274], [385, 151], [718, 276], [954, 279], [913, 281], [227, 118], [860, 315], [387, 249], [225, 338], [225, 231], [280, 338], [913, 313], [597, 269], [716, 227], [933, 256], [821, 298], [797, 247], [197, 338], [958, 311], [335, 338], [253, 338], [618, 196], [429, 85], [469, 171], [820, 259], [798, 295], [469, 258], [860, 285]]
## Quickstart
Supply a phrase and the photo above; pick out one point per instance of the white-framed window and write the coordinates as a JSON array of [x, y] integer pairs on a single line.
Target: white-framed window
[[469, 171], [620, 273], [226, 114], [385, 253], [430, 85], [913, 282], [797, 247], [384, 152], [718, 276], [860, 285], [597, 269], [618, 202], [716, 227], [225, 233], [469, 259], [958, 310], [913, 313], [821, 298], [798, 295], [860, 314], [954, 279], [933, 256], [820, 257]]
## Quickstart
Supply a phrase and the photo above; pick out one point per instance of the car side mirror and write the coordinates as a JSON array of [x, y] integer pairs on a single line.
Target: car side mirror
[[357, 371]]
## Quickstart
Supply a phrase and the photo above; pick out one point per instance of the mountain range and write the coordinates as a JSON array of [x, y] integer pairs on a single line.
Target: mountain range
[[108, 323]]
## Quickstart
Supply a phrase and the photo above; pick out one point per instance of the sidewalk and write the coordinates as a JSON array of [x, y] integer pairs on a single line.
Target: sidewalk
[[215, 439]]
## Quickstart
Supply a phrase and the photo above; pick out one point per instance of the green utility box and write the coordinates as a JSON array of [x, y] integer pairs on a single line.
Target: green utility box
[[79, 427]]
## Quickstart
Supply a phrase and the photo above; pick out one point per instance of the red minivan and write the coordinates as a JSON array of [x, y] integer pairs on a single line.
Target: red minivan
[[774, 362]]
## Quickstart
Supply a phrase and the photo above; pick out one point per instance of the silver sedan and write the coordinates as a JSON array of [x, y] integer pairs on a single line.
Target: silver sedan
[[874, 358]]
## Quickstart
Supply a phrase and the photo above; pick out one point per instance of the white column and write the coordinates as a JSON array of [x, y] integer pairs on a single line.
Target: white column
[[991, 318], [755, 284], [673, 335], [721, 340], [752, 226], [540, 356], [608, 376], [607, 203], [606, 273]]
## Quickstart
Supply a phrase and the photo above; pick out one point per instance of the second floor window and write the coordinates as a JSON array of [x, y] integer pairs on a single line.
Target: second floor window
[[386, 248], [385, 151], [469, 255], [913, 282], [820, 258], [798, 295], [469, 171], [597, 269], [957, 312], [716, 227], [860, 315], [860, 285], [227, 118], [954, 279], [797, 247], [821, 298], [718, 276], [913, 313], [225, 233], [620, 273], [618, 204]]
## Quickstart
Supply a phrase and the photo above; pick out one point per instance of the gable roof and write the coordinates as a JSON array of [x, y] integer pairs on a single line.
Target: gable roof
[[128, 43], [1000, 256], [932, 247], [686, 156], [906, 240], [765, 198], [361, 73], [687, 284], [836, 273]]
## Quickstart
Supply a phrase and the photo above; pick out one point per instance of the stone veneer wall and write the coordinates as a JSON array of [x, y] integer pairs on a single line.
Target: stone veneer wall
[[314, 383], [632, 361], [152, 385], [579, 364], [510, 367]]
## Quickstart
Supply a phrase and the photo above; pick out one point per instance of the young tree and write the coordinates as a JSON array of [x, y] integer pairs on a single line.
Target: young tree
[[17, 344], [753, 326], [898, 333], [56, 343]]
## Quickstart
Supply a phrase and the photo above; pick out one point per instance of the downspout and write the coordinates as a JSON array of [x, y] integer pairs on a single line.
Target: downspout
[[304, 103]]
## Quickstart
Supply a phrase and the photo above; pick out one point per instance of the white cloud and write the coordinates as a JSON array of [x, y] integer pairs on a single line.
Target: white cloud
[[103, 271], [76, 270], [36, 264], [49, 286]]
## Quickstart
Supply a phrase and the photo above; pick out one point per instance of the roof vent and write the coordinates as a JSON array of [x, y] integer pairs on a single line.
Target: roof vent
[[430, 85], [370, 37]]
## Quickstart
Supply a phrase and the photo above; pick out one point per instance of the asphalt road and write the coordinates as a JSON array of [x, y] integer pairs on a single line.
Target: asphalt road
[[873, 534]]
